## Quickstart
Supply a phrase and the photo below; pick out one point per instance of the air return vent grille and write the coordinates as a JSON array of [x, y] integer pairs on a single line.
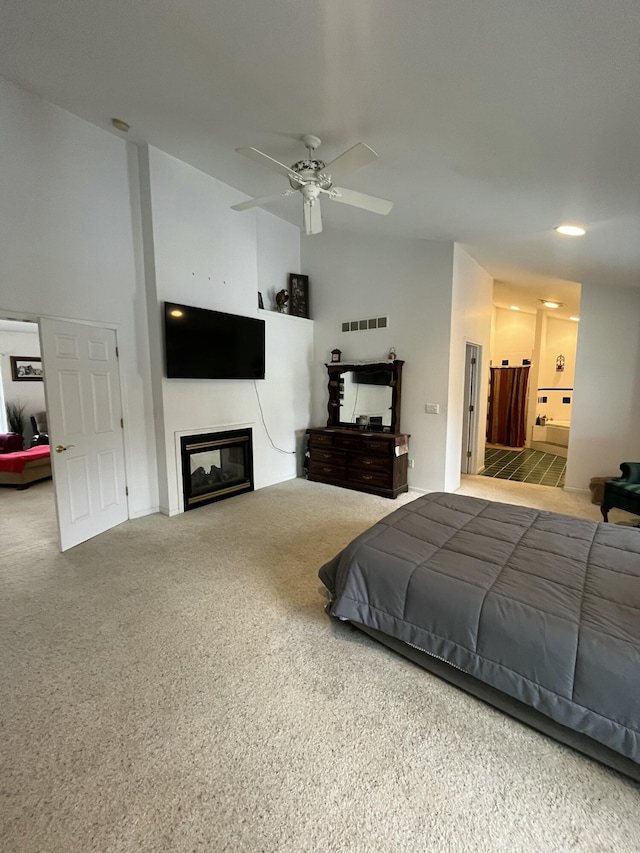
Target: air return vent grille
[[365, 325]]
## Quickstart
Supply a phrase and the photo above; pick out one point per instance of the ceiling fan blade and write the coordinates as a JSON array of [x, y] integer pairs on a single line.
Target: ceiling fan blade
[[359, 155], [312, 217], [265, 199], [356, 199], [269, 162]]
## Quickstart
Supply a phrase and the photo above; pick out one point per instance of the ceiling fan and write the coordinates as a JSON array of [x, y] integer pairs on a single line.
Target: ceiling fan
[[312, 178]]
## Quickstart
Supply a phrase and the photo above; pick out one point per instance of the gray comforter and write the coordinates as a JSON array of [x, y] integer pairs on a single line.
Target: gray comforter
[[542, 606]]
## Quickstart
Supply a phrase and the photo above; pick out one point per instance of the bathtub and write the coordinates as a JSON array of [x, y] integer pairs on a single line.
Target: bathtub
[[553, 437], [558, 432]]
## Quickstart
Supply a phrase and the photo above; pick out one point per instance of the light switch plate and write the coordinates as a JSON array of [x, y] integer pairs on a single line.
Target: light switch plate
[[432, 408]]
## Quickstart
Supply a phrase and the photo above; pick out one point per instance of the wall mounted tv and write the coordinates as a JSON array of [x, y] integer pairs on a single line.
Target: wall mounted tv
[[203, 344]]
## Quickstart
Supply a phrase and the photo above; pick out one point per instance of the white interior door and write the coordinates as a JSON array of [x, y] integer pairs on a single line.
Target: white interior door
[[469, 420], [84, 412]]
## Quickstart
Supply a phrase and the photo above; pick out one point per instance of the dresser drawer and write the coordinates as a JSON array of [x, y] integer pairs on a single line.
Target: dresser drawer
[[349, 442], [327, 455], [372, 444], [321, 439], [326, 469], [370, 478], [370, 463]]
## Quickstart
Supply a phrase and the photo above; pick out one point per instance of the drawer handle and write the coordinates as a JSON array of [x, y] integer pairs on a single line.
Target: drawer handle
[[326, 455], [367, 477], [328, 470], [368, 461]]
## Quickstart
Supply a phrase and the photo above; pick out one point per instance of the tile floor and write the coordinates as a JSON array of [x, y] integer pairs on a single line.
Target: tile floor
[[525, 466]]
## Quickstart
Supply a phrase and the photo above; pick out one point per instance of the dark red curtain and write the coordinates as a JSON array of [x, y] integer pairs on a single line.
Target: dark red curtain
[[506, 422]]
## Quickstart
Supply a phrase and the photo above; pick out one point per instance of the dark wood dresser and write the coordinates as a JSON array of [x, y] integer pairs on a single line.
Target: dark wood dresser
[[374, 462]]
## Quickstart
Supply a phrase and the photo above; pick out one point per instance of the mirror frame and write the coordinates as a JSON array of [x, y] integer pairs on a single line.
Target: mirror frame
[[336, 368]]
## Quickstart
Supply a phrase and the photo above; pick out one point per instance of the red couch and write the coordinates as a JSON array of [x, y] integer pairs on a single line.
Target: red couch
[[25, 466], [10, 442]]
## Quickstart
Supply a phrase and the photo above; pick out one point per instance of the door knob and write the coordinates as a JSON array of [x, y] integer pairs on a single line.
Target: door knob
[[60, 448]]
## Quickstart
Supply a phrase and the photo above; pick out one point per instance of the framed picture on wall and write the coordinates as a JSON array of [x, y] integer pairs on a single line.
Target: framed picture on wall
[[25, 369], [298, 295]]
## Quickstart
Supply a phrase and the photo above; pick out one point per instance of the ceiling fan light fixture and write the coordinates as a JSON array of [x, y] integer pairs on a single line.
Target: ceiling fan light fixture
[[310, 177], [570, 230]]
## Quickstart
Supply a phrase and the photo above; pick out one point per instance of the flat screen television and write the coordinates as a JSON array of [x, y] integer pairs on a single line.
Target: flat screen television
[[204, 344]]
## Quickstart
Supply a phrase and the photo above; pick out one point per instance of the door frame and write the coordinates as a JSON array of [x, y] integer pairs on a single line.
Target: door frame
[[31, 317], [471, 408]]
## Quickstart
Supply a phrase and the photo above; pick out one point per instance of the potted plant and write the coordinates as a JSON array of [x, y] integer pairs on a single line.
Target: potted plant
[[15, 416]]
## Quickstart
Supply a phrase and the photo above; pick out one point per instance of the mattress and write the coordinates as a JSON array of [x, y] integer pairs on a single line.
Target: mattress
[[543, 607]]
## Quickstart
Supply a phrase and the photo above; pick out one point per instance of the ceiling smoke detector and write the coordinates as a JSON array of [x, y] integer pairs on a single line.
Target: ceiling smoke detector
[[119, 124]]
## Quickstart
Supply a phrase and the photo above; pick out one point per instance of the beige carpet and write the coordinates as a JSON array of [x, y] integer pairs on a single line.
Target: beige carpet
[[174, 685]]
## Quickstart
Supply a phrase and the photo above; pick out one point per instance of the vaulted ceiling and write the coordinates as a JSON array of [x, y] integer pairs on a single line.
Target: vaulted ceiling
[[494, 121]]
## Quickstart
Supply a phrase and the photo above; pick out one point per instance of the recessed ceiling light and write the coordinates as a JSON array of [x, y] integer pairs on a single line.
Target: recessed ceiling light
[[514, 307], [549, 303], [119, 124], [176, 313], [577, 319], [570, 230]]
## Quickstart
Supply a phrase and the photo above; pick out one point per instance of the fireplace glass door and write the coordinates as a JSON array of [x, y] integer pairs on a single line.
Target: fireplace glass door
[[216, 466]]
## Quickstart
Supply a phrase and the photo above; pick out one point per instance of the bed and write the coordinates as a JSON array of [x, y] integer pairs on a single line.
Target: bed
[[23, 467], [535, 612]]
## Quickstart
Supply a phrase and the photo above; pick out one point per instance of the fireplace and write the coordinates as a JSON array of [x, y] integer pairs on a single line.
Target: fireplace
[[216, 465]]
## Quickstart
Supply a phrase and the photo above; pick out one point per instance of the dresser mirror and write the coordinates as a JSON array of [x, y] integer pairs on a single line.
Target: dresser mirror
[[365, 395]]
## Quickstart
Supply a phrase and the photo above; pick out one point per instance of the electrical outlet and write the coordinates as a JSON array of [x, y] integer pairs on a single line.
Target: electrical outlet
[[432, 408], [411, 463]]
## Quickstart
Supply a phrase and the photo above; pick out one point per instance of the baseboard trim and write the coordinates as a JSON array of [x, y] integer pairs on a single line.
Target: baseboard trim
[[140, 513]]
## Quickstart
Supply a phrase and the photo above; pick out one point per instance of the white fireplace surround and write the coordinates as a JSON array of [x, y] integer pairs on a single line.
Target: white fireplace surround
[[198, 431]]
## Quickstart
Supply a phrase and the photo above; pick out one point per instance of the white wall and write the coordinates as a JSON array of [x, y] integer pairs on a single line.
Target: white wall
[[91, 233], [67, 249], [277, 254], [207, 255], [561, 338], [471, 313], [605, 429], [353, 277], [29, 394], [513, 338]]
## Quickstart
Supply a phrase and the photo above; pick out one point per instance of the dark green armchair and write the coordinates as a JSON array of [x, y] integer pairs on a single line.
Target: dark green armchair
[[623, 492]]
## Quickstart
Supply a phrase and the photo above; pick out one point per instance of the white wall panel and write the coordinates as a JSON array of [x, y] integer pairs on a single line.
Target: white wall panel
[[78, 475], [103, 418], [70, 393], [110, 492]]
